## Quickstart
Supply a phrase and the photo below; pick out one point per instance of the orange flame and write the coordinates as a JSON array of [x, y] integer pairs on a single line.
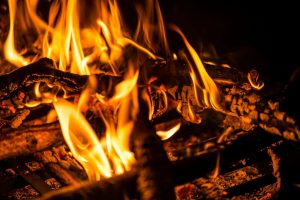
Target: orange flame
[[10, 52], [82, 140], [118, 133], [164, 135], [210, 92], [75, 49], [148, 27], [253, 78]]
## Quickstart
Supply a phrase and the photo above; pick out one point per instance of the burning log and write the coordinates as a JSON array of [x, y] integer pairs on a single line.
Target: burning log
[[44, 71], [26, 140]]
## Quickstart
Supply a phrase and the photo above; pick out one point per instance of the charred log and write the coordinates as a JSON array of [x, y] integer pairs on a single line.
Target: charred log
[[178, 72], [44, 71], [26, 140]]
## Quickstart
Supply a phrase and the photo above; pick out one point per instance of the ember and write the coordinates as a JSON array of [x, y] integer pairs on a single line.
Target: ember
[[91, 107]]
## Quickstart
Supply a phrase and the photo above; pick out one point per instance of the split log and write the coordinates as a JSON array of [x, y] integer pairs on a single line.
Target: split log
[[26, 140]]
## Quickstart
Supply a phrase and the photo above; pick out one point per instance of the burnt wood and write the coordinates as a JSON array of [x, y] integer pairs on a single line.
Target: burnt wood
[[26, 140]]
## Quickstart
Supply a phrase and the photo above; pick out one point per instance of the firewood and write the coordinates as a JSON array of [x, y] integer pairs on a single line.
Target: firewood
[[26, 140], [13, 83]]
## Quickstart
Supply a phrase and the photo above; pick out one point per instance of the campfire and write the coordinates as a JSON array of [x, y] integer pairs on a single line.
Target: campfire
[[91, 108]]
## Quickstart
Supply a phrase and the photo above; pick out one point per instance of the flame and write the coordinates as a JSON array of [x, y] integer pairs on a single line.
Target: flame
[[10, 52], [118, 133], [82, 140], [164, 135], [210, 92], [64, 40], [151, 29]]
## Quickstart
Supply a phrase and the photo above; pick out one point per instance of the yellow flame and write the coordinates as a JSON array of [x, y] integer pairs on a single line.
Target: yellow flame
[[10, 52], [63, 39], [125, 104], [82, 140], [211, 94], [164, 135], [151, 29]]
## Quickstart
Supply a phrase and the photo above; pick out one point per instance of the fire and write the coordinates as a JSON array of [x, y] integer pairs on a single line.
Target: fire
[[75, 48], [78, 44]]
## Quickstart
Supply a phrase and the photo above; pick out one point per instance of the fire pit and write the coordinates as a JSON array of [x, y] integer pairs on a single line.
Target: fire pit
[[103, 100]]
